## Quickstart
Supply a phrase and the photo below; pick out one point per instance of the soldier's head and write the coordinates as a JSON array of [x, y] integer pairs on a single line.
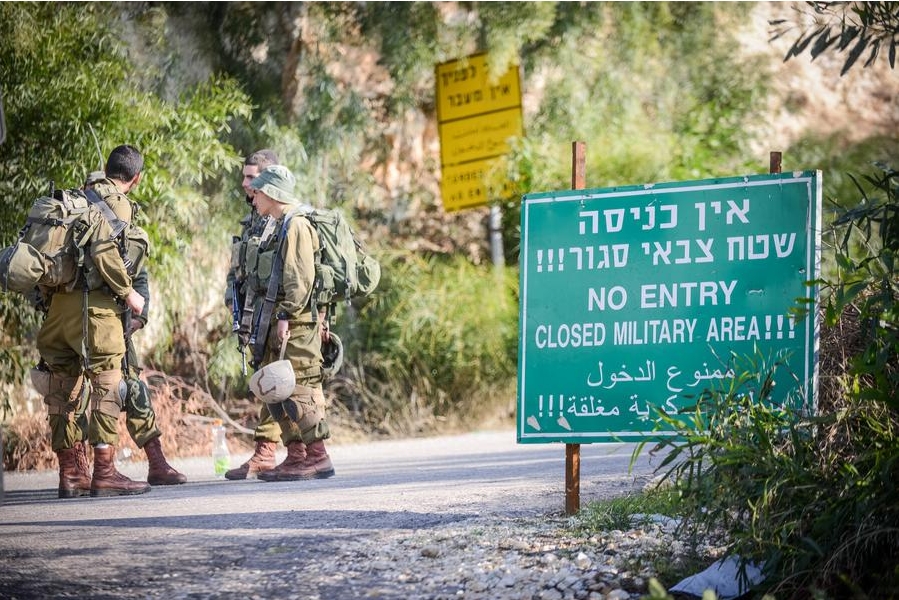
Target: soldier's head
[[252, 166], [124, 166], [273, 191]]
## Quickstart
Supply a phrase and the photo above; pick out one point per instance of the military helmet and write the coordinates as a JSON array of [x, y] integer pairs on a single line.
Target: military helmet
[[332, 356], [274, 382]]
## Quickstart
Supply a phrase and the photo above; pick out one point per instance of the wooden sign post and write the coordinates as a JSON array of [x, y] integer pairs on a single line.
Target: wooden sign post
[[573, 451]]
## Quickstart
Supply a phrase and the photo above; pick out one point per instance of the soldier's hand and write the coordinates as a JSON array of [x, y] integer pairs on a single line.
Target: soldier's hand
[[283, 329], [135, 302], [325, 329]]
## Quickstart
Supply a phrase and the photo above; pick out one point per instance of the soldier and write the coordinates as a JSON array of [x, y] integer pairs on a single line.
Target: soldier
[[267, 431], [140, 418], [82, 340], [285, 325]]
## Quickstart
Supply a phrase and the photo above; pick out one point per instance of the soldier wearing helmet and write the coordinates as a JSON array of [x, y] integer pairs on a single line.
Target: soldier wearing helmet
[[267, 432], [280, 277]]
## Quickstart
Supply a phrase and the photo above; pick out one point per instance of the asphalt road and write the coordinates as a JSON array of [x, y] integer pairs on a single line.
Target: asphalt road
[[180, 537]]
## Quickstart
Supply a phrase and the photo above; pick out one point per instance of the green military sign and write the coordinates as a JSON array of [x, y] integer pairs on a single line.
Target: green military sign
[[639, 298]]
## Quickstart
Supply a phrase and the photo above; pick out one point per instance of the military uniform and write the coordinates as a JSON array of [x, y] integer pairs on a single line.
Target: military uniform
[[292, 242], [82, 343], [267, 431], [72, 343]]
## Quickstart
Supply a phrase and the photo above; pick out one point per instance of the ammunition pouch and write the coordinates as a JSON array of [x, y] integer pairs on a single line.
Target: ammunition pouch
[[239, 258], [137, 249]]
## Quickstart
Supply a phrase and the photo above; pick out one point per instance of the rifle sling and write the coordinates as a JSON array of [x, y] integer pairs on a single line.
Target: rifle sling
[[268, 305]]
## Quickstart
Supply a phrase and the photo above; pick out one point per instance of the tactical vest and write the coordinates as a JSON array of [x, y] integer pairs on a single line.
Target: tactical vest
[[261, 250], [252, 225]]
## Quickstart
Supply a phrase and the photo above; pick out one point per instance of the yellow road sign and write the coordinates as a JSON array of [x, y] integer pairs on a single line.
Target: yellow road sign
[[476, 117], [478, 137], [463, 186], [464, 89]]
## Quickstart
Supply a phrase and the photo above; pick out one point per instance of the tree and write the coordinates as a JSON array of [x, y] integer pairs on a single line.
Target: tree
[[837, 26], [66, 76]]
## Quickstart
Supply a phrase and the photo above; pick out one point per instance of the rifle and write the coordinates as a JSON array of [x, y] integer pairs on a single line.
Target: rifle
[[259, 337], [236, 312], [236, 307], [130, 358]]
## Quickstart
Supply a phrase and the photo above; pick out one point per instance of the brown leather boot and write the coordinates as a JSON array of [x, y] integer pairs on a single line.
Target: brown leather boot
[[161, 472], [108, 481], [73, 482], [296, 455], [83, 465], [263, 459], [302, 462]]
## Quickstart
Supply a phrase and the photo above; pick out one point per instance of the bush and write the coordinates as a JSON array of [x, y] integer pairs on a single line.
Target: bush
[[813, 496], [441, 343]]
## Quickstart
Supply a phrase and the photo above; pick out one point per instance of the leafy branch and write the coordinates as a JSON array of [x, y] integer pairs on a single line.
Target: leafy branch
[[839, 26]]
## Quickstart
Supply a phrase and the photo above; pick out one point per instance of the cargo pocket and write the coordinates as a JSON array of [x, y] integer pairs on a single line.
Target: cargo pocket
[[105, 339]]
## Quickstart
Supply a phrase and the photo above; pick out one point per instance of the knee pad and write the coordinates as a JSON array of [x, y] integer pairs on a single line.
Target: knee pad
[[137, 399], [306, 409], [109, 392], [64, 393]]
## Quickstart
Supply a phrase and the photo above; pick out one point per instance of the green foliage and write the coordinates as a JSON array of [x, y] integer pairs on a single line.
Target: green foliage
[[409, 59], [846, 26], [813, 495], [69, 72], [868, 281], [658, 95], [440, 339], [619, 513]]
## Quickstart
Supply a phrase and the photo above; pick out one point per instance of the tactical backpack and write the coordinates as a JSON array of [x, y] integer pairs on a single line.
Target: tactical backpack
[[343, 270], [50, 248]]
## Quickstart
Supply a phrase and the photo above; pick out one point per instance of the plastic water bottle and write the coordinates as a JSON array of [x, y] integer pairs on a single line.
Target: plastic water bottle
[[221, 457]]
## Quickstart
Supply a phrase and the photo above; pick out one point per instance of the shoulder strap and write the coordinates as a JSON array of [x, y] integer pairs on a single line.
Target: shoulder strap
[[260, 332], [118, 226]]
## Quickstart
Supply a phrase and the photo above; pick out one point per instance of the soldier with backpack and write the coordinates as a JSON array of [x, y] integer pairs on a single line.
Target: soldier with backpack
[[267, 432], [286, 329], [82, 339], [140, 418]]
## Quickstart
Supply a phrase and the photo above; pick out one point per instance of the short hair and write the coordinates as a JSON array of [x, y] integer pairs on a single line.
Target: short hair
[[124, 163], [261, 158]]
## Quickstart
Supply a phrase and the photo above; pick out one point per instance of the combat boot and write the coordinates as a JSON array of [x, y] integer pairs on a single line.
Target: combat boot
[[263, 459], [82, 464], [302, 462], [72, 481], [161, 472], [108, 481]]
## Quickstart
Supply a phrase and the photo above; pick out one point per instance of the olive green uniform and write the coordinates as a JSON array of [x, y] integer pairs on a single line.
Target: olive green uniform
[[267, 430], [140, 418], [302, 416], [83, 336]]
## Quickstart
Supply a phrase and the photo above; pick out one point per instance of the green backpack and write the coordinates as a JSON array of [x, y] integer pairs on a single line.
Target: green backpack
[[51, 246], [343, 270]]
